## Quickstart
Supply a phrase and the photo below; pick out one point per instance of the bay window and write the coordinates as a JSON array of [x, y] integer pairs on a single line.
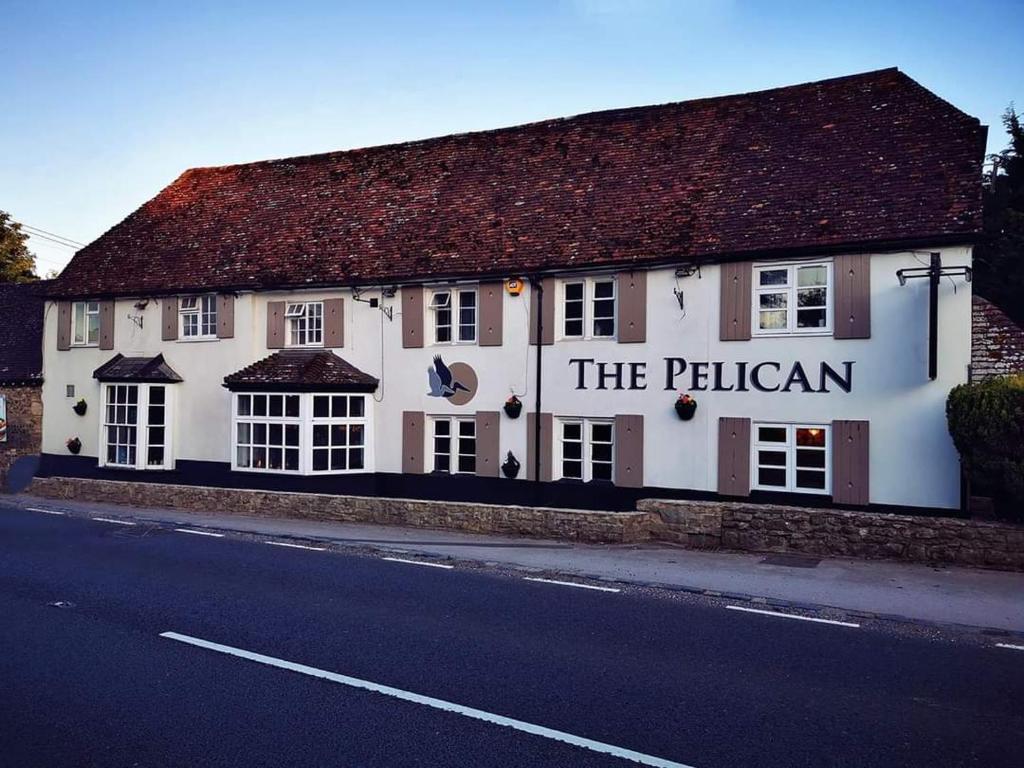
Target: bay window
[[135, 430], [792, 457], [586, 449], [794, 298]]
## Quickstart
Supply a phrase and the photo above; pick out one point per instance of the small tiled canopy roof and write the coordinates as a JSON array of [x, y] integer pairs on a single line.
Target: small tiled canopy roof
[[301, 370], [21, 333], [141, 370], [868, 161]]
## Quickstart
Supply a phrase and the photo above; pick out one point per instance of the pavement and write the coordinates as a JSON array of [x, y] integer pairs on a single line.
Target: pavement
[[939, 595], [135, 643]]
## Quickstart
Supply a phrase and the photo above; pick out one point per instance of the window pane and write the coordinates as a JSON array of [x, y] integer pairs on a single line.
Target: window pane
[[467, 464], [572, 469], [604, 289], [321, 434], [574, 291], [772, 320], [809, 457], [243, 458], [339, 406], [772, 458], [572, 431], [339, 434], [276, 406], [355, 458], [133, 394], [156, 395], [601, 432], [320, 459], [444, 333], [811, 297], [467, 428], [816, 275], [442, 463], [244, 405], [156, 435], [807, 478], [771, 434], [772, 477], [259, 458], [572, 450], [442, 427], [94, 328], [442, 445], [291, 434], [321, 407], [574, 327], [291, 459], [604, 327], [356, 407], [244, 434], [291, 406], [601, 472], [773, 276], [79, 322], [339, 459], [601, 452], [259, 434], [276, 434], [356, 434], [259, 405], [772, 300], [811, 436], [275, 458], [810, 318]]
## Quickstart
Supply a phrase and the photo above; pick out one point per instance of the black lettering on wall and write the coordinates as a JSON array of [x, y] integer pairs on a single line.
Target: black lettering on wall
[[698, 376], [797, 376], [844, 382], [603, 375], [582, 362], [755, 377], [741, 377], [638, 375], [674, 366], [716, 381]]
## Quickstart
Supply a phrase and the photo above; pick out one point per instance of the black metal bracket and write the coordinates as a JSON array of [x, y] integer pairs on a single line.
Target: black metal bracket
[[934, 272]]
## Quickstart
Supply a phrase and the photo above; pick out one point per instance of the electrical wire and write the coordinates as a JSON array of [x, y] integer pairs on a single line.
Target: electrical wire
[[32, 229]]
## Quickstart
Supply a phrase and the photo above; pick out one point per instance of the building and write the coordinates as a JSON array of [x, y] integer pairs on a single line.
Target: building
[[21, 375], [355, 322]]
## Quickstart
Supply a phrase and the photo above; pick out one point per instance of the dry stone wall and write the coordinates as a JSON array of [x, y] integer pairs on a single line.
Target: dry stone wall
[[24, 426]]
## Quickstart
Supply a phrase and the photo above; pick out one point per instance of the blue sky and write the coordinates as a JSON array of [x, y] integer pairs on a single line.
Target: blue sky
[[106, 103]]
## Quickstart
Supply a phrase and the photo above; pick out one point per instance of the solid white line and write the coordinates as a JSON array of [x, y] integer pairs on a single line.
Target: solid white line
[[1010, 646], [45, 511], [199, 533], [573, 584], [294, 546], [793, 616], [428, 701], [111, 520], [417, 562]]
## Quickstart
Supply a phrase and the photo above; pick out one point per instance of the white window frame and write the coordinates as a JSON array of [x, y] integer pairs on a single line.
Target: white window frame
[[305, 422], [586, 448], [790, 448], [451, 300], [298, 317], [791, 290], [589, 298], [335, 419], [455, 449], [203, 308], [89, 309], [142, 426]]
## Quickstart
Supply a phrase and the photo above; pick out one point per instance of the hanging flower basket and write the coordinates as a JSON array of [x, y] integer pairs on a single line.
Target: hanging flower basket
[[513, 407], [74, 445], [511, 467], [686, 406], [80, 407]]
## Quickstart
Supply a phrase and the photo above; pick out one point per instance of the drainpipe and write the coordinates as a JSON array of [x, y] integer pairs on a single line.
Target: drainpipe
[[537, 285]]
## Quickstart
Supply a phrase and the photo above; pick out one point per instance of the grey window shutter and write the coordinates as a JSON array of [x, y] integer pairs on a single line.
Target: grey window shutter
[[63, 325], [632, 309], [169, 318], [334, 323], [735, 301], [547, 335], [852, 313], [850, 468], [547, 437], [106, 325], [275, 324], [492, 296], [413, 442], [629, 451], [733, 456], [488, 449], [225, 316], [412, 316]]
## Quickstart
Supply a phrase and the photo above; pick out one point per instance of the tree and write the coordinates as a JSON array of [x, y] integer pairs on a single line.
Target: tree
[[999, 259], [17, 264]]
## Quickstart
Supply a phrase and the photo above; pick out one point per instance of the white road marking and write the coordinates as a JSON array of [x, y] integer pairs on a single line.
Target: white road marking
[[295, 546], [572, 584], [793, 616], [199, 533], [111, 520], [417, 562], [1010, 646], [429, 701], [45, 511]]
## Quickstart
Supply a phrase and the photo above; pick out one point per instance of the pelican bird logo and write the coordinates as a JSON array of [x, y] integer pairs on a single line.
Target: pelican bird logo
[[457, 383]]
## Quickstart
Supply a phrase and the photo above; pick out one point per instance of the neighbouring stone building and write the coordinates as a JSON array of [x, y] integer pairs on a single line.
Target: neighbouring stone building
[[21, 366], [997, 346]]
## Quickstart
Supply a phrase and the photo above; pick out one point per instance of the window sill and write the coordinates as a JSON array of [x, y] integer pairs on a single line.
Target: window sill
[[85, 346], [195, 339], [585, 338], [788, 334]]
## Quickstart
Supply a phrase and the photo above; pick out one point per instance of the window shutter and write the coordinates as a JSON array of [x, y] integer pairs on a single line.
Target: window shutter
[[169, 318], [275, 324], [548, 332], [735, 301], [629, 451], [491, 317], [63, 325], [632, 309], [850, 462], [852, 318], [334, 323], [733, 456], [413, 442], [106, 325], [547, 423], [412, 316], [488, 450], [225, 316]]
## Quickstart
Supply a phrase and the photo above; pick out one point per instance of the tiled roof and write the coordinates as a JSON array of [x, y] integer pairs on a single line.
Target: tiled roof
[[137, 369], [997, 343], [299, 370], [21, 332], [868, 159]]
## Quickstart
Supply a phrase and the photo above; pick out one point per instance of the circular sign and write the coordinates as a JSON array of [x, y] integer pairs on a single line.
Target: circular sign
[[466, 376]]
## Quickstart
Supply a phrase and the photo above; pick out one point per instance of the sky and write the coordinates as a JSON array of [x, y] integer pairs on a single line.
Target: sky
[[106, 103]]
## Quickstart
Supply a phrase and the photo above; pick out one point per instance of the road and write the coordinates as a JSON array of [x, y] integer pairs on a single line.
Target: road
[[286, 656]]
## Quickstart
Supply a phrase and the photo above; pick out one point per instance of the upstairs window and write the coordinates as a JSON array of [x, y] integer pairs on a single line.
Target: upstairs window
[[198, 317], [792, 457], [454, 445], [588, 308], [85, 320], [586, 447], [793, 298], [305, 324], [455, 316]]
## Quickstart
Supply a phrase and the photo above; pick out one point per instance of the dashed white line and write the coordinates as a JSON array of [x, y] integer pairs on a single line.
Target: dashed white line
[[295, 546], [429, 701], [111, 520], [572, 584], [45, 511], [793, 616], [1011, 646], [200, 533], [417, 562]]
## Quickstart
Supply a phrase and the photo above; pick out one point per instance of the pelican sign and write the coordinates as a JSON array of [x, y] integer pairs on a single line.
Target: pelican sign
[[456, 382]]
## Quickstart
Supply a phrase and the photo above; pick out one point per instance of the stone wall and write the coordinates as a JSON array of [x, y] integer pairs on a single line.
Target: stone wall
[[997, 343], [24, 426]]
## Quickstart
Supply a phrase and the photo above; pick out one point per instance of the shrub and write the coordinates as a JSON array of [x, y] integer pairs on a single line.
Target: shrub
[[986, 421]]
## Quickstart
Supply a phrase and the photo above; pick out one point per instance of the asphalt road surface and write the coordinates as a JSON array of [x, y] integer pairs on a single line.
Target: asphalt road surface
[[138, 645]]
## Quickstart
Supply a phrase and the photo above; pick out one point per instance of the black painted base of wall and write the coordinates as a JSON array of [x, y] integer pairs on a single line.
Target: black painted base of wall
[[432, 487]]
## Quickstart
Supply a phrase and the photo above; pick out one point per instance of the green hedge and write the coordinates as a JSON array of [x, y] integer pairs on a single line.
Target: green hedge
[[986, 421]]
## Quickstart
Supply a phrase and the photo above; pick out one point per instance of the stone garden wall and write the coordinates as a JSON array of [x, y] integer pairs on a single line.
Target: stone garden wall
[[24, 426]]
